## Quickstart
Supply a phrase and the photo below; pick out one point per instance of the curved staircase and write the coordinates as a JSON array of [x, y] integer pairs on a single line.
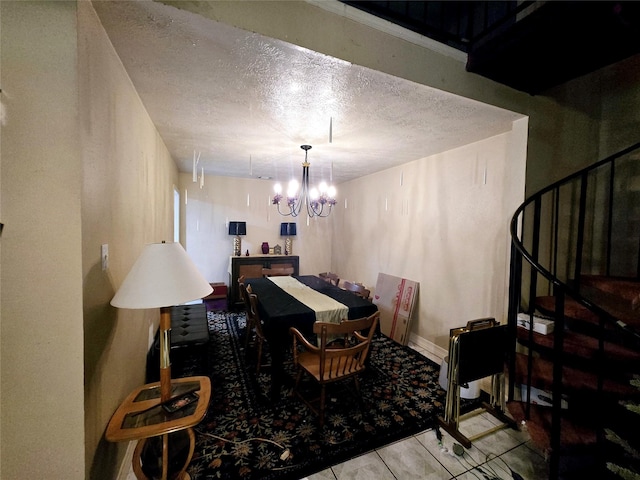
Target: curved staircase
[[575, 268]]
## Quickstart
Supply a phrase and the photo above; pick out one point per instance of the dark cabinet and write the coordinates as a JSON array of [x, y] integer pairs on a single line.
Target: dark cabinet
[[251, 267]]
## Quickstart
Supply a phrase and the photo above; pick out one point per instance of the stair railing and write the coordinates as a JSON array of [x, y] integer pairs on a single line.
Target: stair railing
[[558, 234]]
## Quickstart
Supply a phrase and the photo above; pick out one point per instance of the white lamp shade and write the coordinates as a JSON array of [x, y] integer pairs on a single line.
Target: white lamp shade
[[164, 275]]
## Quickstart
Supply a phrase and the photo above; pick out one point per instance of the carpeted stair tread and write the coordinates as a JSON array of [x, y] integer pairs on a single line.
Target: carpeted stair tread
[[583, 347], [576, 312], [623, 288], [575, 382], [572, 309]]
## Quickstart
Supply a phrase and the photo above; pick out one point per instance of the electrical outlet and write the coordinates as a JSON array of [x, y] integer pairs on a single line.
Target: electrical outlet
[[104, 255]]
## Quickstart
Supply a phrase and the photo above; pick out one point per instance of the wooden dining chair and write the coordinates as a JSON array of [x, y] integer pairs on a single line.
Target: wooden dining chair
[[328, 364], [253, 318], [277, 271], [330, 277], [358, 289]]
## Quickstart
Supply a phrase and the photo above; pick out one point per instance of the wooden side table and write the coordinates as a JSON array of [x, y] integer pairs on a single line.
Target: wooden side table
[[141, 416]]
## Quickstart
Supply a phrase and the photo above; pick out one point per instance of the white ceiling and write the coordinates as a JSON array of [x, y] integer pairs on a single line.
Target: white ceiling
[[244, 103]]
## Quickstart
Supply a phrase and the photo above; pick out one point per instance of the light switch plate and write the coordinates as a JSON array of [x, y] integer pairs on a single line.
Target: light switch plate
[[104, 255]]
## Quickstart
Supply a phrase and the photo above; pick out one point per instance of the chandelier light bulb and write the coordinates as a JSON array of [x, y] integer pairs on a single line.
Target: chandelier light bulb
[[322, 187], [277, 188], [292, 190], [331, 192], [313, 194]]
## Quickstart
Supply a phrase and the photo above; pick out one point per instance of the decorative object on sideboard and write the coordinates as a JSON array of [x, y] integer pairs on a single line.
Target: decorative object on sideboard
[[314, 199], [288, 230], [277, 250], [265, 248], [237, 229]]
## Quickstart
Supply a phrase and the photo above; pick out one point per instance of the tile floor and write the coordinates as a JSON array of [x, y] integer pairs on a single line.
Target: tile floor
[[491, 457]]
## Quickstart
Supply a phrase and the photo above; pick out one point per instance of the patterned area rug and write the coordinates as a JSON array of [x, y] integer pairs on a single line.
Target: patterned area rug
[[244, 434]]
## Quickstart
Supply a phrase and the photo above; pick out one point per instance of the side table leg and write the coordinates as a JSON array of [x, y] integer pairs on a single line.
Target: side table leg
[[136, 463], [181, 475], [165, 456]]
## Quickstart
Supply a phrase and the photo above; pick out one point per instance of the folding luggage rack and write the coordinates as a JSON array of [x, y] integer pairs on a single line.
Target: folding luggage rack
[[476, 351]]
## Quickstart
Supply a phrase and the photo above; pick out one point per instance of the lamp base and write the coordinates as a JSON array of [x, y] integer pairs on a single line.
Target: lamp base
[[237, 246], [288, 246]]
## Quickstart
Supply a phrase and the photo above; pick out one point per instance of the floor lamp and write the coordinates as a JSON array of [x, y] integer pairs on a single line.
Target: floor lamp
[[163, 276]]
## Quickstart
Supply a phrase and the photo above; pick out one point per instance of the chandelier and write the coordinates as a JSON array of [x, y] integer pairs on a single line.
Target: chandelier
[[314, 199]]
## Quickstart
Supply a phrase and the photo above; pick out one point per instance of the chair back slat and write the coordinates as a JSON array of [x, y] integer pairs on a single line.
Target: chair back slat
[[244, 294], [356, 288], [253, 313]]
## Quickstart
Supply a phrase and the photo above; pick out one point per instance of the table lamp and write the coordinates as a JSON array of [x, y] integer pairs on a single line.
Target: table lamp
[[163, 276], [237, 229], [287, 230]]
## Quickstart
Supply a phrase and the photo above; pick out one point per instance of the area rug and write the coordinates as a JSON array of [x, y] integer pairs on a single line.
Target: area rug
[[245, 435]]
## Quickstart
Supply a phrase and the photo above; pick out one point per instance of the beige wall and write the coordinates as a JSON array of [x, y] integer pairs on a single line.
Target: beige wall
[[208, 210], [82, 166], [127, 202], [441, 222], [41, 381]]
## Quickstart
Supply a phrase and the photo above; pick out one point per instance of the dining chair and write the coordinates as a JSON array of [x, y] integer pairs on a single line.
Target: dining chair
[[277, 272], [328, 364], [330, 277], [357, 288], [253, 319]]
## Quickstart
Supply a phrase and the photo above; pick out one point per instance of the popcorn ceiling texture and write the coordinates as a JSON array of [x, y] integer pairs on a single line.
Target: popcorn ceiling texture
[[245, 103]]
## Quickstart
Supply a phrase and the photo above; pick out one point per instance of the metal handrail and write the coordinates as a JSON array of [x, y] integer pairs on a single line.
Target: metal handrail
[[519, 245]]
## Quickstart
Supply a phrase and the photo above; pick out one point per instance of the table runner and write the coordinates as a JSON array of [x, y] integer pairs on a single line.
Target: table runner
[[326, 308]]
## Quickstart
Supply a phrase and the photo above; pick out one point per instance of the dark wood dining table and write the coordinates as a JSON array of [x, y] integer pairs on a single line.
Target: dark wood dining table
[[279, 311]]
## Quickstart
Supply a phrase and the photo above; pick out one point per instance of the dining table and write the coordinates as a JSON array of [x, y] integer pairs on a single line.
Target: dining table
[[300, 301]]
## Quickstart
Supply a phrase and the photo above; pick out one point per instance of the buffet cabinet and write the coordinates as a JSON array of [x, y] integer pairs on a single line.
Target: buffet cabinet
[[251, 267]]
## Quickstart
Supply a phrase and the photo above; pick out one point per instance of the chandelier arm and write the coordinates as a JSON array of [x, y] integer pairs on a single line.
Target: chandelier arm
[[284, 214]]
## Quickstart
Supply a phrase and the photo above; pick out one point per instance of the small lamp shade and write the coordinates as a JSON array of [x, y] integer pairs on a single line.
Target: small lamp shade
[[164, 275], [287, 229], [237, 228]]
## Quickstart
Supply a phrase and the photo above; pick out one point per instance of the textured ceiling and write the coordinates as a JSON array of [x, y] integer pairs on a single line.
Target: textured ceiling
[[245, 103]]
